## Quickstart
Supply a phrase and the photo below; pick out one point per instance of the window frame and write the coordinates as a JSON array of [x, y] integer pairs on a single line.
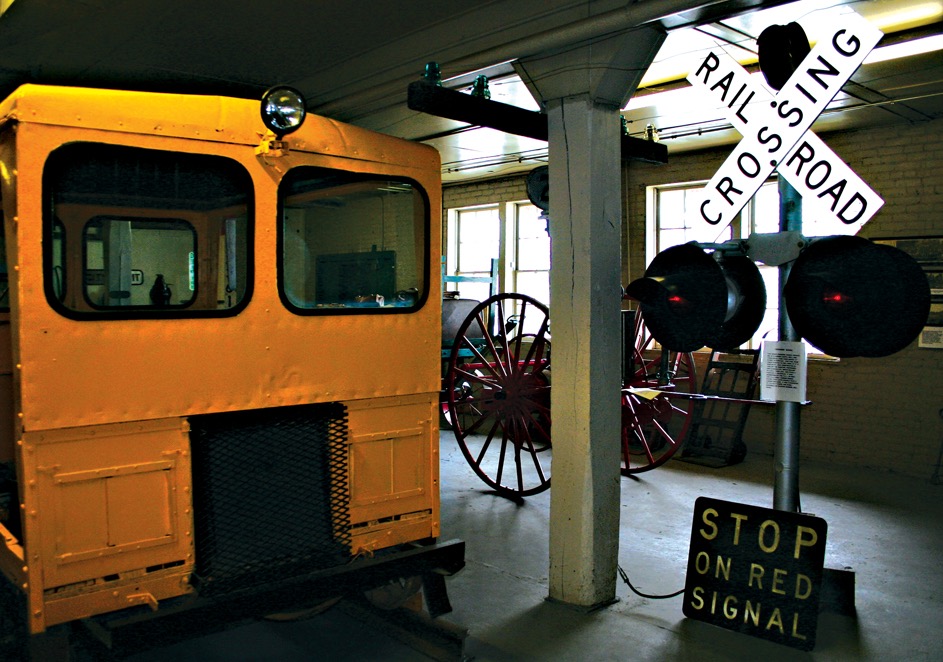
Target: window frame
[[744, 217], [496, 274], [119, 313], [516, 269], [507, 213]]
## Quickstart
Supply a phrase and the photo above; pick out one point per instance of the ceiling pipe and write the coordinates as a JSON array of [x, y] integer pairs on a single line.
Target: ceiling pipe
[[632, 15]]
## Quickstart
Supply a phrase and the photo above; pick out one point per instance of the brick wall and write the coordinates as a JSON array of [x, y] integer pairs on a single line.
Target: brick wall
[[867, 412], [506, 189]]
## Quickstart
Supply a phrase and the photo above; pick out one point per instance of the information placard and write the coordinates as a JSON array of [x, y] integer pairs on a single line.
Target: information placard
[[783, 367], [756, 571]]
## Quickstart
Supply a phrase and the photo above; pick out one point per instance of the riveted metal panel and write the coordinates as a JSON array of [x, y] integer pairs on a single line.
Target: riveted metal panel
[[83, 372], [109, 499], [394, 471]]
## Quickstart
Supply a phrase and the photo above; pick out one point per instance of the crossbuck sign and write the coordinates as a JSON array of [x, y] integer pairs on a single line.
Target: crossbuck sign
[[775, 131]]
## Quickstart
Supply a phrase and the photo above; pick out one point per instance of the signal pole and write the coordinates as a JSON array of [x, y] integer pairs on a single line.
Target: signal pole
[[786, 451]]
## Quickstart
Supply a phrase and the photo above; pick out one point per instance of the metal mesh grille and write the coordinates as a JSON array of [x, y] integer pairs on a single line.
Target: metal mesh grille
[[270, 494]]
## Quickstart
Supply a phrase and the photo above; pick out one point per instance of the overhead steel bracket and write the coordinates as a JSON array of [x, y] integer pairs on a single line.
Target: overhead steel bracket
[[427, 97]]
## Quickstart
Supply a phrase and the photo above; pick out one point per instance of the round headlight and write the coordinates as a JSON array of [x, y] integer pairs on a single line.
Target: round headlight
[[283, 110]]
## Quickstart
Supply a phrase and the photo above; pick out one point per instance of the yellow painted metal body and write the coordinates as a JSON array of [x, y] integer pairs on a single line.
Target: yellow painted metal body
[[95, 411]]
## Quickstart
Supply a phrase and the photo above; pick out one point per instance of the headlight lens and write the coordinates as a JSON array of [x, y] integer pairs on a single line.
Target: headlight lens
[[283, 110]]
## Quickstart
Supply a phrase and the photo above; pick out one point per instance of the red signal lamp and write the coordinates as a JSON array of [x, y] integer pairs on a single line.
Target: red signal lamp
[[835, 298]]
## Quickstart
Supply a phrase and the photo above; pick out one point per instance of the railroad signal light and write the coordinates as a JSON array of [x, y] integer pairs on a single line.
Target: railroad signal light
[[846, 295], [746, 302], [851, 297], [690, 299]]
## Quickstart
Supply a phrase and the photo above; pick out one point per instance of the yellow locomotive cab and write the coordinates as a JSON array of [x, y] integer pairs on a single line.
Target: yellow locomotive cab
[[219, 351]]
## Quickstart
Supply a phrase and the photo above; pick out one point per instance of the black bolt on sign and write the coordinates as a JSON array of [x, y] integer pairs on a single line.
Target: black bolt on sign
[[756, 571]]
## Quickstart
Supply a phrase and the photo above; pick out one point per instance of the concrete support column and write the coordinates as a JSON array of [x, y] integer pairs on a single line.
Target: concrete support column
[[585, 303], [581, 88]]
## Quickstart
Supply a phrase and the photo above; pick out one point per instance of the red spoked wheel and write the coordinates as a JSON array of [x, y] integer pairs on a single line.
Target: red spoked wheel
[[498, 393], [654, 428]]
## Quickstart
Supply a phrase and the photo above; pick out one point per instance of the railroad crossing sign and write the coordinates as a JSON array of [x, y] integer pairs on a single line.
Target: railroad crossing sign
[[775, 131]]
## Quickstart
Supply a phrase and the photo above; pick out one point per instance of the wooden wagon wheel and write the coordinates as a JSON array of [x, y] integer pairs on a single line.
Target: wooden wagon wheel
[[498, 393], [653, 429]]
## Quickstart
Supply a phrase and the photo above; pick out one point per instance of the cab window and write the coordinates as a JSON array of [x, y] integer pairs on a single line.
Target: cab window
[[134, 232], [352, 243]]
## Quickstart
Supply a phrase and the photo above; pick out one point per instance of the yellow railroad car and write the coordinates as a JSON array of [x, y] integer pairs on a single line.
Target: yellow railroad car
[[219, 355]]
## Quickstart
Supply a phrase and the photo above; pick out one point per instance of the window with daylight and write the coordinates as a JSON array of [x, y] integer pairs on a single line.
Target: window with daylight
[[532, 253], [474, 241], [514, 236]]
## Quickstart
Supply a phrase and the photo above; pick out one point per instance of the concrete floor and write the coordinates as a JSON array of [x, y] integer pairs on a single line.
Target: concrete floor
[[888, 528]]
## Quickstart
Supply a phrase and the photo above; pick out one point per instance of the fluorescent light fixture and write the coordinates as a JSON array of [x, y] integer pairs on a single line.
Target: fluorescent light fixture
[[906, 49], [897, 19]]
